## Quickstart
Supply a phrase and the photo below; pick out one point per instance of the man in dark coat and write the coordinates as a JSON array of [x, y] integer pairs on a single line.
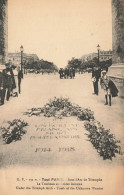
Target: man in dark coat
[[61, 73], [19, 79], [96, 74], [73, 73], [65, 73], [13, 79], [1, 88]]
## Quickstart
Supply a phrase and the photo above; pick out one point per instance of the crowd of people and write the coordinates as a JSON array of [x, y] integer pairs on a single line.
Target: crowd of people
[[10, 82], [106, 83], [67, 73]]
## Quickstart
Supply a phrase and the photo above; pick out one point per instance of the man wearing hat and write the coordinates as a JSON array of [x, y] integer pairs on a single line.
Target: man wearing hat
[[20, 76], [96, 74]]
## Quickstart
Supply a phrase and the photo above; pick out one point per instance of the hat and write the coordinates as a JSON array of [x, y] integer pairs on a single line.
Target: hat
[[7, 64], [2, 67], [104, 71]]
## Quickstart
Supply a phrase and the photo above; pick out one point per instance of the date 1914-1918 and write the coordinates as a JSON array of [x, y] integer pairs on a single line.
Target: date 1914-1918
[[63, 149]]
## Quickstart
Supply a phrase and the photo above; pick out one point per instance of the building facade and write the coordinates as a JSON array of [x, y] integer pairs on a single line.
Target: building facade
[[103, 56], [15, 58], [88, 57], [3, 31]]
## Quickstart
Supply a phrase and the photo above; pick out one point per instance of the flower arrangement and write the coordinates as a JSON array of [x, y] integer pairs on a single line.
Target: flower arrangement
[[13, 131], [62, 107], [105, 142]]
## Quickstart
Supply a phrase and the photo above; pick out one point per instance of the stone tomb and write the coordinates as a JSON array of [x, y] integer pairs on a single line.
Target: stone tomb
[[52, 142], [64, 141]]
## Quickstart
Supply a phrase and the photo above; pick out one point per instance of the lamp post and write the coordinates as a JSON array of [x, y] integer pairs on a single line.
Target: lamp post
[[98, 48], [24, 67], [21, 49]]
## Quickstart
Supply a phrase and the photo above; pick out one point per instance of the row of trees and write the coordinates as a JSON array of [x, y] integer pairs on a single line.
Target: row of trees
[[42, 65], [77, 64], [80, 65]]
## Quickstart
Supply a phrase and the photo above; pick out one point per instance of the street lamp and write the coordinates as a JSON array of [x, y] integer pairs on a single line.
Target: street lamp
[[98, 48], [24, 66], [21, 49]]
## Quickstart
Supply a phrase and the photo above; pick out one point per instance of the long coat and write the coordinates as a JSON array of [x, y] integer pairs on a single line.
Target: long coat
[[113, 89], [96, 74], [1, 79]]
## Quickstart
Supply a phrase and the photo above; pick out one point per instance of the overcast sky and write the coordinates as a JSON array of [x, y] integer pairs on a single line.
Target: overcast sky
[[57, 30]]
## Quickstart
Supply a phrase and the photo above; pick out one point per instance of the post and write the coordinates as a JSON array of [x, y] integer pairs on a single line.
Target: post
[[21, 49], [98, 57], [21, 59], [98, 48]]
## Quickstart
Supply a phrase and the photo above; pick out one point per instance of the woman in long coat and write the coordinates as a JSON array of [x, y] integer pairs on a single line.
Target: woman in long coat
[[15, 90], [109, 87]]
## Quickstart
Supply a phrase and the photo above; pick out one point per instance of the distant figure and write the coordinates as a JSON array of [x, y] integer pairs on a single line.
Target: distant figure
[[19, 80], [73, 73], [66, 73], [61, 73]]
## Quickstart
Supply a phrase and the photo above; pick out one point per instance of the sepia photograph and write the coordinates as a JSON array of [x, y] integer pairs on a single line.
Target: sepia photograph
[[61, 97]]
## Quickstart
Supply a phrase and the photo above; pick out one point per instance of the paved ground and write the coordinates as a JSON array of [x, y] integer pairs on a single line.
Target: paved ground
[[72, 150]]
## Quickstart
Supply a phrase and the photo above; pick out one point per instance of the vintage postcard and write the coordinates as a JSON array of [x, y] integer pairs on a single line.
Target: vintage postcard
[[61, 97]]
